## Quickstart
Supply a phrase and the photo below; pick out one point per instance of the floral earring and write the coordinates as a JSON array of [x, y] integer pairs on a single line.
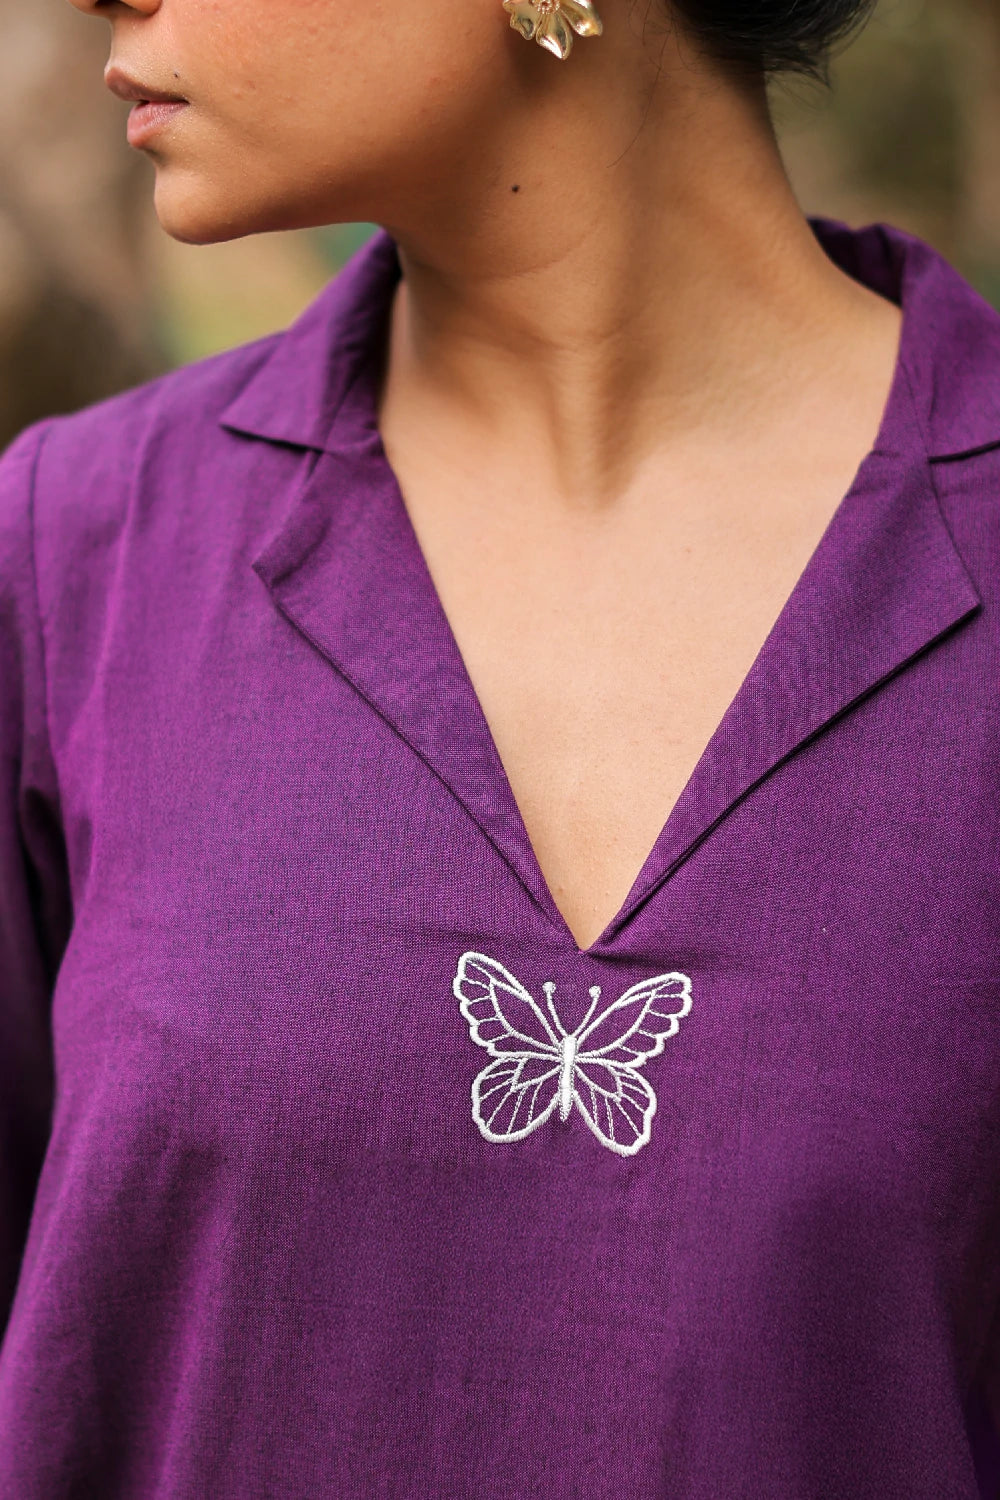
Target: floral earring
[[548, 22]]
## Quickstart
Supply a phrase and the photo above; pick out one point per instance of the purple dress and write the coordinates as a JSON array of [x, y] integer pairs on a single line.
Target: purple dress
[[330, 1165]]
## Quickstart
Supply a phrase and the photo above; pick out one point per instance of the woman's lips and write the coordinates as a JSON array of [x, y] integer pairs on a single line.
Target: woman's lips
[[153, 109], [148, 117]]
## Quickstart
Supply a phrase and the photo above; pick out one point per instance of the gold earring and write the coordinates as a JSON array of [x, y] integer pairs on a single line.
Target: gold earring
[[548, 22]]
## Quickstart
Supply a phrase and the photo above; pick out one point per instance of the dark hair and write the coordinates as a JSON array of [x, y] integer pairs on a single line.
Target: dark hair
[[772, 36]]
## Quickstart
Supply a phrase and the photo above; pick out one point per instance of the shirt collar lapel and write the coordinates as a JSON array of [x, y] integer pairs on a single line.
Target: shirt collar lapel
[[295, 393], [951, 337], [885, 582], [344, 564]]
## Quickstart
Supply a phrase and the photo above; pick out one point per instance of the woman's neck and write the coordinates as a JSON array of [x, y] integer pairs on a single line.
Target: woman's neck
[[627, 268]]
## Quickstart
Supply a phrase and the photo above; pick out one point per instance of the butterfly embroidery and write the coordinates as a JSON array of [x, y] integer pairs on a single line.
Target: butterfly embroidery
[[539, 1067]]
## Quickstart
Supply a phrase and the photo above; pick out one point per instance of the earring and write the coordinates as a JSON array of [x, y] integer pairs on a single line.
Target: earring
[[548, 22]]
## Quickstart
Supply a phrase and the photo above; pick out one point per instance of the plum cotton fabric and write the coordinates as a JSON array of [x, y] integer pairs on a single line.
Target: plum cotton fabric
[[251, 817]]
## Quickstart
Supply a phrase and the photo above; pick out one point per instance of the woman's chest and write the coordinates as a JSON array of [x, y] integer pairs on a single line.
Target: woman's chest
[[268, 1090], [275, 891], [604, 648]]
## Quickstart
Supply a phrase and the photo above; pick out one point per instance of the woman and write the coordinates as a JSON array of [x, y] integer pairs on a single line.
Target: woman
[[499, 915]]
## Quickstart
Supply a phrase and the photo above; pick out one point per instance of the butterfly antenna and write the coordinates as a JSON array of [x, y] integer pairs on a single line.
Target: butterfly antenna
[[550, 990], [595, 995]]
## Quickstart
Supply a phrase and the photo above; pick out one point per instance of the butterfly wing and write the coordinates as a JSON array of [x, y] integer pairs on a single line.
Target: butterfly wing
[[616, 1102], [637, 1026], [614, 1098], [519, 1089], [502, 1016], [512, 1096]]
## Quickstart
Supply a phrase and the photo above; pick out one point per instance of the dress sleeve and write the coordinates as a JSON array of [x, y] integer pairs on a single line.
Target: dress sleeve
[[35, 906]]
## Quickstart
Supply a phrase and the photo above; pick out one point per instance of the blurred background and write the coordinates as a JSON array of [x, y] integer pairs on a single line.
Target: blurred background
[[94, 297]]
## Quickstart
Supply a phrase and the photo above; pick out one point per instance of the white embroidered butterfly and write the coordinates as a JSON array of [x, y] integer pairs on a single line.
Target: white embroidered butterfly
[[538, 1066]]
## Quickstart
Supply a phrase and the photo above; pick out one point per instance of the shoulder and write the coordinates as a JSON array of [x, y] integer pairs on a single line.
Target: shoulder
[[154, 438], [142, 472], [67, 482], [103, 441], [95, 504]]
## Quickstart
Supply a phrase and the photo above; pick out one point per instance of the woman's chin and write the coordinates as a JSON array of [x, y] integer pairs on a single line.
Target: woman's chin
[[196, 213]]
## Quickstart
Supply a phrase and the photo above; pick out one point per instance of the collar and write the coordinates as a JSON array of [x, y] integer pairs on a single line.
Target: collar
[[950, 347], [884, 585]]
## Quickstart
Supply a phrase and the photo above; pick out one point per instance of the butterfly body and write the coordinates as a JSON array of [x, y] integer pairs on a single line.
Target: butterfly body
[[538, 1067], [568, 1048]]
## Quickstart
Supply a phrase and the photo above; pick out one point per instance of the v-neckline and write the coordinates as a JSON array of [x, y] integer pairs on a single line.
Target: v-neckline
[[666, 851], [347, 567]]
